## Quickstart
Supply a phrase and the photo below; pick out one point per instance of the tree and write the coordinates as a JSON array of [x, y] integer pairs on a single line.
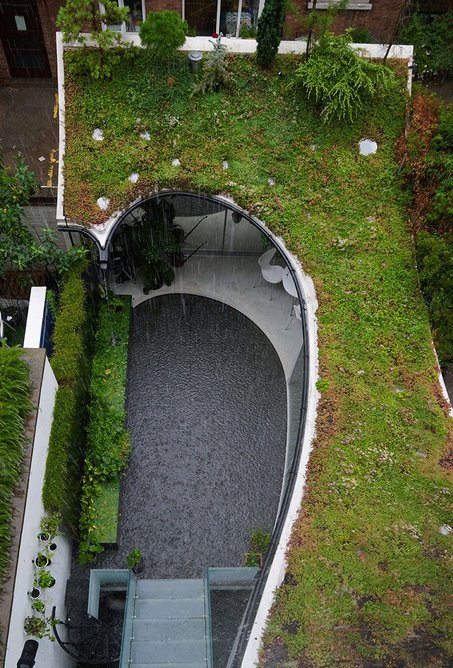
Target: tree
[[270, 25], [79, 16], [18, 249]]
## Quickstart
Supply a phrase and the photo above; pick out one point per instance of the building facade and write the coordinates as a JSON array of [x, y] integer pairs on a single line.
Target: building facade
[[27, 27]]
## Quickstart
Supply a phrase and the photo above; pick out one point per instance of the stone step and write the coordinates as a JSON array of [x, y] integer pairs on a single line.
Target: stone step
[[193, 651], [161, 630], [169, 608], [170, 589]]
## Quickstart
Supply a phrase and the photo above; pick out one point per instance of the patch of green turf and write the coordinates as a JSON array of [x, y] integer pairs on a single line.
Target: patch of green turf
[[106, 505], [368, 567]]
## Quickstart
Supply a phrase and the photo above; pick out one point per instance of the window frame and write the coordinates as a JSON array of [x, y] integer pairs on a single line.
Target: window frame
[[123, 30]]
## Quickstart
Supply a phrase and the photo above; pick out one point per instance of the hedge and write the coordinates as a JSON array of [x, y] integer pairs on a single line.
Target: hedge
[[14, 406], [70, 362], [108, 442]]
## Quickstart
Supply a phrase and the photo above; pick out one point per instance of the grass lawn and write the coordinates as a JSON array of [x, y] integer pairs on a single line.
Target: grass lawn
[[368, 577]]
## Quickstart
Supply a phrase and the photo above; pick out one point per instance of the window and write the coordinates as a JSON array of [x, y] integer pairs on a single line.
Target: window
[[226, 16], [353, 5], [136, 16]]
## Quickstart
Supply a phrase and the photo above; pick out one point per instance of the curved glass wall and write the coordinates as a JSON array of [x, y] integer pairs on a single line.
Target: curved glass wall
[[187, 244]]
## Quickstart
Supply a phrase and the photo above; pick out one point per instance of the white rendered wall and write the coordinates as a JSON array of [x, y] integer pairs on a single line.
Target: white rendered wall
[[35, 317], [50, 654]]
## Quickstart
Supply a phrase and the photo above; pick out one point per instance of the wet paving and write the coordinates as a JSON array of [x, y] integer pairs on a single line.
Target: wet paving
[[206, 402]]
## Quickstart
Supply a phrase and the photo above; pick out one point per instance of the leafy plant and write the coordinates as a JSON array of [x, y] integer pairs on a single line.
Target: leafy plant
[[133, 558], [260, 540], [268, 36], [247, 32], [38, 606], [75, 16], [339, 80], [40, 627], [44, 579], [51, 523], [433, 44], [215, 73], [163, 32]]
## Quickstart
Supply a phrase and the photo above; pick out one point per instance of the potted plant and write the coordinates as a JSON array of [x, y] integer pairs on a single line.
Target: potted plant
[[44, 579], [35, 626], [41, 560], [135, 561], [50, 525], [35, 593], [39, 606], [40, 627]]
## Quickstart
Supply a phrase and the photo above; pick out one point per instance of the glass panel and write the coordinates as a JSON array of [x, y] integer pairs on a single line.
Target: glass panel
[[113, 26], [201, 15], [129, 613], [249, 16], [135, 15], [229, 17]]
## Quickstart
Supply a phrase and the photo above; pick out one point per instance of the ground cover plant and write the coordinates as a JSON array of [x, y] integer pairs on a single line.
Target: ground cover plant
[[108, 442], [367, 576], [14, 406]]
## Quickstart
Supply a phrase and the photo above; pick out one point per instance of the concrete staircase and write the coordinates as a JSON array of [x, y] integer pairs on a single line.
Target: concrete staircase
[[170, 628]]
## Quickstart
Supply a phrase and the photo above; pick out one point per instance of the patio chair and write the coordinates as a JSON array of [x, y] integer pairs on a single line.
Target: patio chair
[[272, 273]]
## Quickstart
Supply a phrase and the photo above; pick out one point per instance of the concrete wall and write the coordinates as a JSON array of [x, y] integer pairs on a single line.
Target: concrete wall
[[50, 654]]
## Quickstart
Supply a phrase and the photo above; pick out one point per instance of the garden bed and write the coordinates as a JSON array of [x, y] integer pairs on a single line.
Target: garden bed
[[368, 563], [108, 442]]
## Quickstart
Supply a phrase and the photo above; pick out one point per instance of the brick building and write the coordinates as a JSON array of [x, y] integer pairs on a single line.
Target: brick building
[[27, 27]]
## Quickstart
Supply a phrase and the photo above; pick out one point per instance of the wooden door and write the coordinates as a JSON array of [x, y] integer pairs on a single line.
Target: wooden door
[[22, 39]]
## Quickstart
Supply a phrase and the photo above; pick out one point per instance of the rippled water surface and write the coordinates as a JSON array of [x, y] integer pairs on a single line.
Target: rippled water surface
[[206, 402]]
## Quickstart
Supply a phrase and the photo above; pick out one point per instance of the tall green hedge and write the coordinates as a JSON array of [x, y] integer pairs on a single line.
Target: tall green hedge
[[71, 364], [14, 406]]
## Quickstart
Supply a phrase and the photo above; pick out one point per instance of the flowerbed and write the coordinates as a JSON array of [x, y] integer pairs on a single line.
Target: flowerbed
[[108, 442]]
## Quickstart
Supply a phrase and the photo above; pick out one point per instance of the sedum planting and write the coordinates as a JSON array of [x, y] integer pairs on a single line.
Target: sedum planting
[[367, 580]]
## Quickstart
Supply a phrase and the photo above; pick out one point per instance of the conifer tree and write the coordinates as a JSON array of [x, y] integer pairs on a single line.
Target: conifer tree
[[269, 32]]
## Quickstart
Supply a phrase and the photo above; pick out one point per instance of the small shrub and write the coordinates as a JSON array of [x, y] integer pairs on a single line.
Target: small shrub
[[339, 80], [269, 32], [134, 558], [163, 32], [215, 69]]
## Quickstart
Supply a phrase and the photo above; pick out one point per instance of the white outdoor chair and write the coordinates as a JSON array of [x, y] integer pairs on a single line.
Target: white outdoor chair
[[272, 273], [295, 313]]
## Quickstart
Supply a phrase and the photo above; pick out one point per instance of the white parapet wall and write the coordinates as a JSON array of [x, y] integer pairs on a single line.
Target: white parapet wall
[[35, 317], [50, 654]]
